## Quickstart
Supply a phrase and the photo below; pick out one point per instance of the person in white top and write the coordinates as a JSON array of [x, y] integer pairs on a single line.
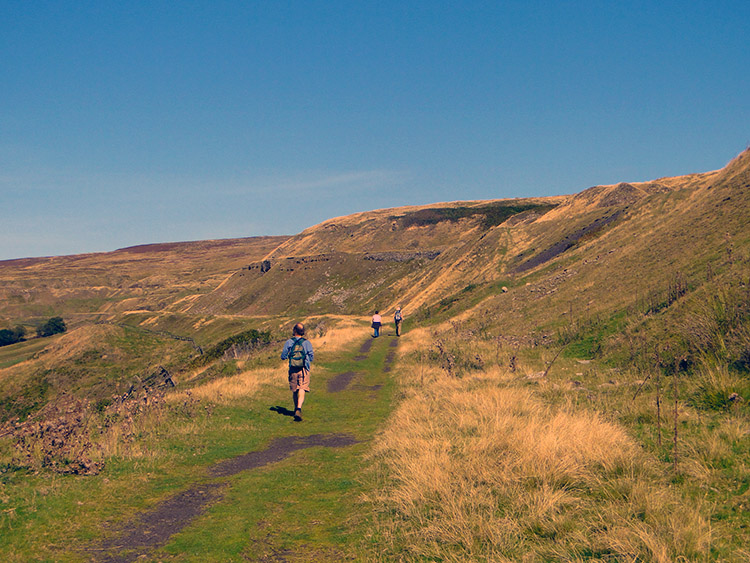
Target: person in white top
[[376, 322]]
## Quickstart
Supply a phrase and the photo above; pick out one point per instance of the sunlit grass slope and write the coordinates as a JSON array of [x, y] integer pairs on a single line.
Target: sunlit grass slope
[[573, 384], [509, 465]]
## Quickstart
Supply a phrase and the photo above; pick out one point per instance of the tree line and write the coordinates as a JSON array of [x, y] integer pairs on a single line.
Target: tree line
[[54, 325]]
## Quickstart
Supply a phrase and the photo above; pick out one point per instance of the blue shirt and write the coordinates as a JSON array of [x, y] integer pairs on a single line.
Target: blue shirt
[[306, 346]]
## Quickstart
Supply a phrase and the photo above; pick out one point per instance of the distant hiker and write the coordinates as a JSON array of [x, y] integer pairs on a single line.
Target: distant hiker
[[376, 321], [398, 319], [300, 354]]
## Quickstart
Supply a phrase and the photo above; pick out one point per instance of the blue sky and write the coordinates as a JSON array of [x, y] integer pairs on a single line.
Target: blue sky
[[125, 123]]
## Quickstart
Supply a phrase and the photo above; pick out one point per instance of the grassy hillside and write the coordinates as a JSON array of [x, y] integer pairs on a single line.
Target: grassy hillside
[[573, 383], [150, 277], [118, 307], [367, 261]]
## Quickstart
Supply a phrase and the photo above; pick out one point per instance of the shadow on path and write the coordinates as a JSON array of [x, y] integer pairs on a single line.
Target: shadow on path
[[282, 410], [153, 529]]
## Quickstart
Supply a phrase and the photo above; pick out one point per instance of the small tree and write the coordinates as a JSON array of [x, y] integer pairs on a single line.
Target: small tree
[[11, 336], [55, 325], [6, 337]]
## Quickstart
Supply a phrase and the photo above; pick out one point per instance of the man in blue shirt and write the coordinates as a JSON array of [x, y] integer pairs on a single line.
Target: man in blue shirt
[[299, 352]]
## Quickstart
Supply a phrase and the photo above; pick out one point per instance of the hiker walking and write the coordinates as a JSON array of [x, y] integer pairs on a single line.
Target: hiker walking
[[376, 322], [398, 319], [300, 354]]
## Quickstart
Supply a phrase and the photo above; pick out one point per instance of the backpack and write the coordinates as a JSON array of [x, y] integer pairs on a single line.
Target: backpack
[[397, 317], [297, 354]]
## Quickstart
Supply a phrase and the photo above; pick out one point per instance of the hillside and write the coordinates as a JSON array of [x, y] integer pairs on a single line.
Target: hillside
[[150, 277], [588, 254], [104, 350], [369, 260], [420, 256], [573, 384]]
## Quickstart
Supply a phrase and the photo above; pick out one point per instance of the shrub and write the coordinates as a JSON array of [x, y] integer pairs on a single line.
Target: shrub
[[245, 341], [11, 336], [718, 389], [55, 325]]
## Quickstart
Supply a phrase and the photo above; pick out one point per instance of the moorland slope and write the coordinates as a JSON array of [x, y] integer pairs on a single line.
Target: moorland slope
[[517, 267], [573, 384]]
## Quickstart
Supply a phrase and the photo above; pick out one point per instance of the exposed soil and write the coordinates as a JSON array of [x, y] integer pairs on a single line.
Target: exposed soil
[[569, 242], [277, 450], [364, 350], [340, 382], [153, 529], [390, 357]]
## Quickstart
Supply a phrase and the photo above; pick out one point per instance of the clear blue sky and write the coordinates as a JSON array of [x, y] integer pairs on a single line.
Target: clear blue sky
[[125, 123]]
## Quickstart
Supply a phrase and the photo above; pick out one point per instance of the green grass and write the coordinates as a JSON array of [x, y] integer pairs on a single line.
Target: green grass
[[310, 499], [21, 351]]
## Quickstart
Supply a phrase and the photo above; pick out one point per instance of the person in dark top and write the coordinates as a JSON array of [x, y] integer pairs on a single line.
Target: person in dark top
[[398, 319]]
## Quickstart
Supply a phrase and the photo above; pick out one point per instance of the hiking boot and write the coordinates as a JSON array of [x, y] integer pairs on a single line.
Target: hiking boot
[[298, 415]]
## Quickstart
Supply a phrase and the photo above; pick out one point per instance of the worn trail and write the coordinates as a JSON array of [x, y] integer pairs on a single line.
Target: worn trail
[[154, 528]]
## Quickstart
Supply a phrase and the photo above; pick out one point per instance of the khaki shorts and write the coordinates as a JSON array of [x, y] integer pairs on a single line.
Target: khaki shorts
[[299, 379]]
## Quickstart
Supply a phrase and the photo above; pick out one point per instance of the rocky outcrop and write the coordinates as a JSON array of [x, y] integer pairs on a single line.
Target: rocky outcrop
[[401, 256]]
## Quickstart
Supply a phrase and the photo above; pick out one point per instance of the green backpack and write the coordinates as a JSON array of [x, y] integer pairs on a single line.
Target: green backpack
[[297, 354]]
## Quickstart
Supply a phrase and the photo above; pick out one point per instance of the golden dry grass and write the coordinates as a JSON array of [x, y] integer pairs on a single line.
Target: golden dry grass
[[480, 469], [227, 390], [341, 337]]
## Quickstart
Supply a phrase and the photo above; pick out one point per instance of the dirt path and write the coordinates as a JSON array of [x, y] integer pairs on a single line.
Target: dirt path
[[340, 382], [364, 350], [154, 528], [391, 357]]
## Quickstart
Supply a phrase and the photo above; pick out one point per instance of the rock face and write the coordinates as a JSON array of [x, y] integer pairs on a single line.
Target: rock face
[[402, 256], [569, 241]]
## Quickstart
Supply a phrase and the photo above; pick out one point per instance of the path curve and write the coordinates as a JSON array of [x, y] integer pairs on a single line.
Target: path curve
[[155, 527], [152, 529]]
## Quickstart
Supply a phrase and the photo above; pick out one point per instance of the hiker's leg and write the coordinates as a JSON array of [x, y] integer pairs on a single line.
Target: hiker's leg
[[300, 398], [294, 399]]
